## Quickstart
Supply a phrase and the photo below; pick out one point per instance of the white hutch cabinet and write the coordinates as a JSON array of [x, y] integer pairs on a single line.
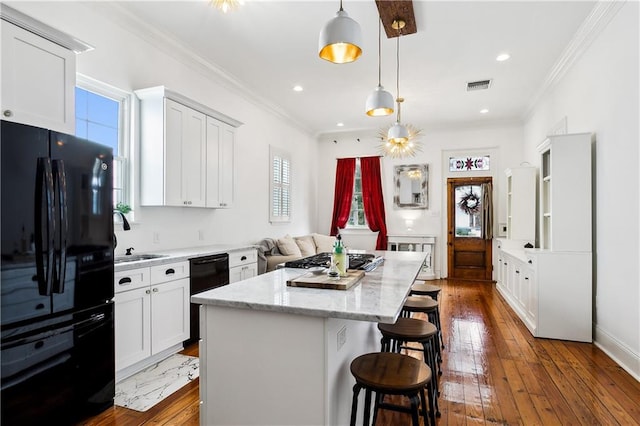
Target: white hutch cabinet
[[550, 288], [521, 204]]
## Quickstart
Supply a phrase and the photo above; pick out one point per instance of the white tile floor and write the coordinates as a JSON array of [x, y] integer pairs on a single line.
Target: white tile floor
[[145, 389]]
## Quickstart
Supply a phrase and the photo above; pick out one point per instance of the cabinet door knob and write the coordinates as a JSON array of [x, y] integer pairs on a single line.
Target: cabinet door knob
[[148, 291], [7, 113], [529, 261], [155, 289]]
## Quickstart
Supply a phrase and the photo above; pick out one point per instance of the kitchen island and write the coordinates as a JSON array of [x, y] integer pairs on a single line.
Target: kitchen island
[[271, 354]]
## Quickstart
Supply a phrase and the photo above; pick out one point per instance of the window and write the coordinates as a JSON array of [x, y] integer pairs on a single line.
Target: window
[[357, 218], [102, 116], [280, 179]]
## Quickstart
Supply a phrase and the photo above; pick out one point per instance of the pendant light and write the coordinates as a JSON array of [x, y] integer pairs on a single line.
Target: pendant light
[[340, 39], [379, 102], [400, 139], [398, 133]]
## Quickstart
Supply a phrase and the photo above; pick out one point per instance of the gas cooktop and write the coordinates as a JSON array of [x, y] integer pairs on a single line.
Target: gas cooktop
[[356, 261]]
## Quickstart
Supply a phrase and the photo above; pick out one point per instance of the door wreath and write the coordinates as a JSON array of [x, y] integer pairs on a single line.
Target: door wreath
[[470, 203]]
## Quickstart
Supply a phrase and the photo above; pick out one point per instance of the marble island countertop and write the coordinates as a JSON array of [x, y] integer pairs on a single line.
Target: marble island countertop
[[378, 297], [178, 255]]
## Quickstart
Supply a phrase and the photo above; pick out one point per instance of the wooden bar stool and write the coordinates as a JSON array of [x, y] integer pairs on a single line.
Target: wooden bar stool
[[387, 373], [411, 330], [432, 292], [429, 307], [421, 288]]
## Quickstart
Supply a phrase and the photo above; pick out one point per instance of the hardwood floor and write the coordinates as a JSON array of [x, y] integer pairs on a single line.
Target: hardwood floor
[[494, 372]]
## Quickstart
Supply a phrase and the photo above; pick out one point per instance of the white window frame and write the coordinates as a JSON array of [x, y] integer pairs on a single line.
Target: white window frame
[[124, 129], [353, 197], [275, 155]]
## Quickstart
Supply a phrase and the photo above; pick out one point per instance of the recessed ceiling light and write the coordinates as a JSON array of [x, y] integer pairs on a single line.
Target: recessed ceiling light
[[339, 124], [297, 88], [502, 57], [484, 111]]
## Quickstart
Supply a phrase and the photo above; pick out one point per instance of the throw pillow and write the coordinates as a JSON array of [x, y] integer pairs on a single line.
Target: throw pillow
[[288, 246], [306, 245], [324, 243]]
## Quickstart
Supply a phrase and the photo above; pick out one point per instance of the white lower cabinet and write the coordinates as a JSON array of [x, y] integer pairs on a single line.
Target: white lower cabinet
[[151, 315], [551, 292], [243, 264]]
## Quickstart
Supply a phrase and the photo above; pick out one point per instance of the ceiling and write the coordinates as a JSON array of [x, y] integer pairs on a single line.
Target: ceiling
[[268, 47]]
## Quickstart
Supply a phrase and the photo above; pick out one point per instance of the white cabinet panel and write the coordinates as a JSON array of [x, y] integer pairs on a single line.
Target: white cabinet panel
[[38, 80], [170, 314], [132, 326], [521, 204], [220, 163]]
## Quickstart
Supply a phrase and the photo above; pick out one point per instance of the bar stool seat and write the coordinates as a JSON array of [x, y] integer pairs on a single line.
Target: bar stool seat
[[421, 288], [388, 373], [415, 330], [426, 305]]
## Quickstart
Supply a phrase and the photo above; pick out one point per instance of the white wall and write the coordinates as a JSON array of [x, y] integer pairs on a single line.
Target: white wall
[[503, 141], [128, 62], [599, 94]]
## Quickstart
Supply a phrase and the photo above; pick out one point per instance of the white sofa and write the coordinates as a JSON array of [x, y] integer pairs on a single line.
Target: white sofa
[[272, 252]]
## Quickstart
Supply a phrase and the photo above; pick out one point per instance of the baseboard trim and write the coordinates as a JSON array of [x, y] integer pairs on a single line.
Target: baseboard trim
[[618, 351]]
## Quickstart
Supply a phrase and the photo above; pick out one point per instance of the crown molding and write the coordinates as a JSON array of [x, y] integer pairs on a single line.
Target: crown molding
[[178, 51], [593, 25], [43, 30]]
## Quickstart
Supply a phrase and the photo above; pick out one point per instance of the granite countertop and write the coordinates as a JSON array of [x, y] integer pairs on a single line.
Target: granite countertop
[[378, 297], [178, 255]]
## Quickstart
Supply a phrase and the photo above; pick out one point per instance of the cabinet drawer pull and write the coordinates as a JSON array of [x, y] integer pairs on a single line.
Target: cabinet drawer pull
[[243, 258], [526, 278], [125, 280], [517, 272], [170, 271]]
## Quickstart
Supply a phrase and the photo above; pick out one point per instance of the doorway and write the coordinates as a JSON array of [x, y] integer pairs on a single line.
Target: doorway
[[469, 228]]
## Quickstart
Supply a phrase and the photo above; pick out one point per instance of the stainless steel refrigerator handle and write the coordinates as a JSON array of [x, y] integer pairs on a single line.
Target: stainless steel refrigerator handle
[[44, 188], [60, 186]]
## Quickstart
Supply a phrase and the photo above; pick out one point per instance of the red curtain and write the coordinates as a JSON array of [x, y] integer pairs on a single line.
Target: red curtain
[[373, 200], [345, 172]]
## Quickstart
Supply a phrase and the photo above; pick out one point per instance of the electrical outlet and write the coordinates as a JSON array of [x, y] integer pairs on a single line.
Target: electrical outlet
[[201, 235], [342, 337], [156, 238]]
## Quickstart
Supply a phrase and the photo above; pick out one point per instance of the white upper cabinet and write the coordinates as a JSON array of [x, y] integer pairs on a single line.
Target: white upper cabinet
[[38, 80], [565, 193], [186, 152], [220, 161], [521, 204]]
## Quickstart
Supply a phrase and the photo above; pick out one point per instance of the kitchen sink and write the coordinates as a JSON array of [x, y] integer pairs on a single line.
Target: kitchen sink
[[137, 257]]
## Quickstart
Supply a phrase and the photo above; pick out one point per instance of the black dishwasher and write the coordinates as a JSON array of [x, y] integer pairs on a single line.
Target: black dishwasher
[[206, 272]]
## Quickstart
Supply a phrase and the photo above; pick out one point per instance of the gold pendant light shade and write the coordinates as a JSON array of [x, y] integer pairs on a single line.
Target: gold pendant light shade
[[340, 39]]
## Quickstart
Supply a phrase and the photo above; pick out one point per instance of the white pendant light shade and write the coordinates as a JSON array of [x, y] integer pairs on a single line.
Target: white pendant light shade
[[379, 103], [398, 134], [340, 39]]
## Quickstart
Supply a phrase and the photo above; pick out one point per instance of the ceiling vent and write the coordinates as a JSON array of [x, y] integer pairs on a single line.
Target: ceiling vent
[[478, 85]]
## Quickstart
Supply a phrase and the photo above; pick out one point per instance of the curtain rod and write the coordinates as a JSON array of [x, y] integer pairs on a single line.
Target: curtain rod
[[366, 156]]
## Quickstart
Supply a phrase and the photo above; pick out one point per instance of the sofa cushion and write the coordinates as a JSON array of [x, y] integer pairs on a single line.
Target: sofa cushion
[[324, 243], [306, 244], [288, 246]]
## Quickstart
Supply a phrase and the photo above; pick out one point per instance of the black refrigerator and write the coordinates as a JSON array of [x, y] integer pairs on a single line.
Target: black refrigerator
[[58, 358]]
